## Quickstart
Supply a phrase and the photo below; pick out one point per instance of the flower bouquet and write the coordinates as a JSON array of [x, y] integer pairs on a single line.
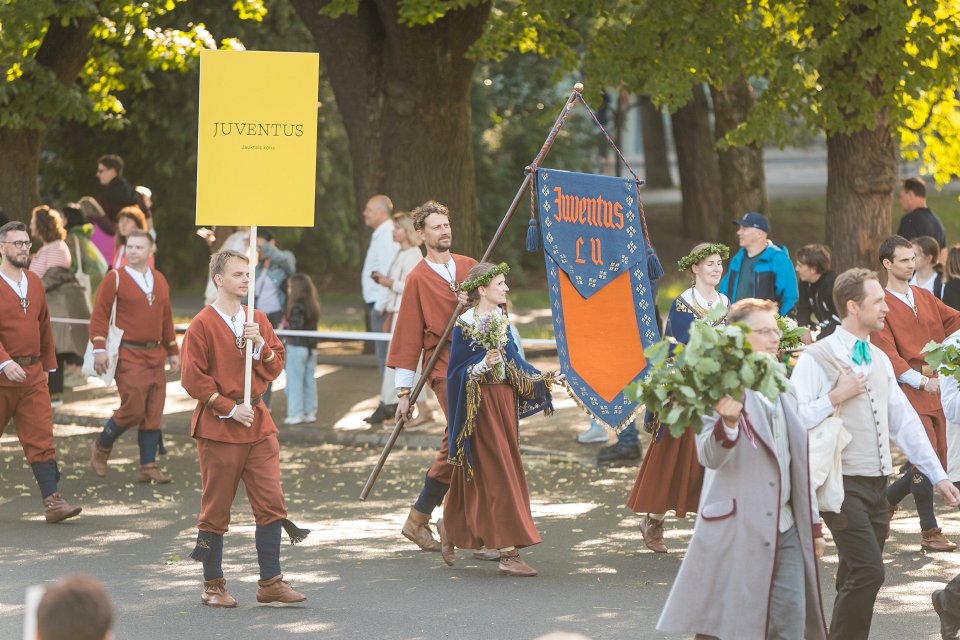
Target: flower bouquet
[[490, 332], [717, 361]]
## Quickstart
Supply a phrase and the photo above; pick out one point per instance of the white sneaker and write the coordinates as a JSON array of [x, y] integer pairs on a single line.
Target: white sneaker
[[596, 433], [293, 420], [310, 417]]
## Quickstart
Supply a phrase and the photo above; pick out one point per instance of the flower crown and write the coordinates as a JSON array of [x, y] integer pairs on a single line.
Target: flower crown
[[484, 279], [688, 261]]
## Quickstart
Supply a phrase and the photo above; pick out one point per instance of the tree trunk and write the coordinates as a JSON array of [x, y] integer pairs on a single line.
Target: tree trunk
[[861, 176], [404, 96], [63, 53], [698, 167], [19, 164], [742, 177], [656, 162]]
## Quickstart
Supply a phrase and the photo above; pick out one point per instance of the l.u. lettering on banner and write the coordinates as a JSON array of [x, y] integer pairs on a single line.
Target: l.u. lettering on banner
[[600, 294]]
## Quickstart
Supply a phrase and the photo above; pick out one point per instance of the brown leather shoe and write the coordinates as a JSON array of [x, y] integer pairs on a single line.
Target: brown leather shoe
[[447, 551], [55, 508], [215, 594], [486, 554], [98, 458], [934, 540], [277, 590], [512, 565], [151, 473], [417, 530], [652, 530]]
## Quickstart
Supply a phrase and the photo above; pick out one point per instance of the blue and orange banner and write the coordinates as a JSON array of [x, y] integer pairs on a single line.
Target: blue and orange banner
[[600, 293]]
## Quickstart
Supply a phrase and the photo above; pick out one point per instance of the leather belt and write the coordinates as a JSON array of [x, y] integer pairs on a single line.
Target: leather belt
[[139, 345], [25, 361], [253, 401]]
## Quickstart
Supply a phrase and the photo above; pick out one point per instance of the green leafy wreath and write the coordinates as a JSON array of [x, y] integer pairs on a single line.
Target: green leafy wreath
[[483, 280], [688, 261]]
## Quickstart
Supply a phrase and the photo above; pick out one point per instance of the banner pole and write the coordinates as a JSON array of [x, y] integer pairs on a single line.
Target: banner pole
[[428, 367], [248, 357]]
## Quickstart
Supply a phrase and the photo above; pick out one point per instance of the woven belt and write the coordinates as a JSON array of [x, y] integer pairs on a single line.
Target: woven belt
[[139, 345], [253, 401], [26, 361]]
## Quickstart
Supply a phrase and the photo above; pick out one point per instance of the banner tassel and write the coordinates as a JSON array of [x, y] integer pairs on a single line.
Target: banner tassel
[[533, 236], [654, 268]]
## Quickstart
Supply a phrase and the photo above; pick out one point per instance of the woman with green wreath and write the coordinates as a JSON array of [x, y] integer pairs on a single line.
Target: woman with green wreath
[[670, 476]]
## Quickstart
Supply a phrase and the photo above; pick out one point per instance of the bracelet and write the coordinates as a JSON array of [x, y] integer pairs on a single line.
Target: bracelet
[[403, 393]]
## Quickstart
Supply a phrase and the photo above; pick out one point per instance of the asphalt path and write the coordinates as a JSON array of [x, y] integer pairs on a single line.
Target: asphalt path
[[361, 578]]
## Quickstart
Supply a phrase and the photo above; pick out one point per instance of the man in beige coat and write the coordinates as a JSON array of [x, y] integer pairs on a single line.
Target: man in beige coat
[[751, 570]]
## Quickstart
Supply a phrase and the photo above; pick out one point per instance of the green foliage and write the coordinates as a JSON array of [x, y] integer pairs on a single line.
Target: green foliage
[[790, 333], [943, 358], [117, 46], [717, 361]]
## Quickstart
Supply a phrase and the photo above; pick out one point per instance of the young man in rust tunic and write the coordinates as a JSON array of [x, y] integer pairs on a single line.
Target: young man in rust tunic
[[236, 441], [26, 355], [915, 318], [430, 296], [146, 317]]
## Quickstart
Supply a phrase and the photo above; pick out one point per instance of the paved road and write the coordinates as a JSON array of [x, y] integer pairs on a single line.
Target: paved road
[[362, 579]]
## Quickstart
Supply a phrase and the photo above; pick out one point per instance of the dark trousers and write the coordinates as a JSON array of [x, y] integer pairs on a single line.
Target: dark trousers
[[951, 600], [912, 481], [859, 531]]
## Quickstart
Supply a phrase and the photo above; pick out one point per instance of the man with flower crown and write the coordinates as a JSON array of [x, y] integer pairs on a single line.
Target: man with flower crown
[[430, 297]]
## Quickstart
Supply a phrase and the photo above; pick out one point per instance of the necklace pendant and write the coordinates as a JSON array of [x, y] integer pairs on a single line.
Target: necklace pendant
[[150, 298], [454, 286], [24, 304], [239, 342]]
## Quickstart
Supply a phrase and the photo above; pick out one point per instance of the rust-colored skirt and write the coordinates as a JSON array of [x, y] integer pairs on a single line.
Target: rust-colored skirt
[[492, 509], [670, 477]]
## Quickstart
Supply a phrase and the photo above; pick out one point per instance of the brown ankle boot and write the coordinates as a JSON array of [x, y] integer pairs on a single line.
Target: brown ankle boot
[[417, 530], [215, 594], [151, 473], [98, 458], [512, 565], [55, 508], [447, 551], [277, 590], [652, 530], [934, 540]]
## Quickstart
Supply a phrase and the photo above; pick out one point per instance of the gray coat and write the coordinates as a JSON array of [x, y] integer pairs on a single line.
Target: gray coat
[[723, 586]]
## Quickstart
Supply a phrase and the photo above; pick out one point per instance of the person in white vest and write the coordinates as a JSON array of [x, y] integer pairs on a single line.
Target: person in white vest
[[946, 601], [874, 409]]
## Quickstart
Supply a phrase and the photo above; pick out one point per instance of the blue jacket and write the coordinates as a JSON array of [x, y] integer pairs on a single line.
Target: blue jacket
[[774, 277]]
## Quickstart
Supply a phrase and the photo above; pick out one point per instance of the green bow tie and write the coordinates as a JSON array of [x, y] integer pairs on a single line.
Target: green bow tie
[[861, 352]]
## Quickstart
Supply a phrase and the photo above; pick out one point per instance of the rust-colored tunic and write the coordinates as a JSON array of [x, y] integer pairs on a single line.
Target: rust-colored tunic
[[903, 335], [425, 309], [213, 372], [492, 509], [140, 376], [23, 334]]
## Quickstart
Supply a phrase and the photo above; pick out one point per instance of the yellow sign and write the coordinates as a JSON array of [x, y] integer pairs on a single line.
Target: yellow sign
[[257, 138]]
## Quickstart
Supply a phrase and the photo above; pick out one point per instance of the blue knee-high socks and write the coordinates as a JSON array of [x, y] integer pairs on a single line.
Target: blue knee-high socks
[[47, 475], [268, 549], [109, 434], [209, 551], [431, 496], [149, 442]]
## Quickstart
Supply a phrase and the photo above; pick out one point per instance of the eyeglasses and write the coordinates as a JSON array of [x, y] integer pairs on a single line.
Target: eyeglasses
[[769, 332], [19, 244]]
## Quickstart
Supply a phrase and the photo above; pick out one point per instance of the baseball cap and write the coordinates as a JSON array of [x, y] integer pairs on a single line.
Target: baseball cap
[[755, 220]]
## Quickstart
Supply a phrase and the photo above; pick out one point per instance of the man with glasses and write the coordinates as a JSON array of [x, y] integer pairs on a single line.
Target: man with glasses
[[26, 356]]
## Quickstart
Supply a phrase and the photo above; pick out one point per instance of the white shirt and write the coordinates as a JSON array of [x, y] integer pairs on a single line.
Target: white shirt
[[813, 386], [928, 285], [144, 280], [403, 378], [379, 257]]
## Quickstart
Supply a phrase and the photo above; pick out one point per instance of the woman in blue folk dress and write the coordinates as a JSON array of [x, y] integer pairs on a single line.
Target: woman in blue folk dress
[[670, 476]]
